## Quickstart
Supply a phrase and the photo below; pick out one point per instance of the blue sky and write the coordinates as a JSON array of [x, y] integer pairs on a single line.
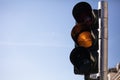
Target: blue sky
[[35, 40]]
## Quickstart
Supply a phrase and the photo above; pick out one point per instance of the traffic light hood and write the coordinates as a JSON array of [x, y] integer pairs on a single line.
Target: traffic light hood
[[82, 9]]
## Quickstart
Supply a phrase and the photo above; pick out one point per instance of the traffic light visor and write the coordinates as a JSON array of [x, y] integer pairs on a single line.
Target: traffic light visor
[[81, 8]]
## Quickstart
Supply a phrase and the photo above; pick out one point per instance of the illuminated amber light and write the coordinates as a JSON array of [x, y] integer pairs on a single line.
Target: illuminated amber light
[[85, 39]]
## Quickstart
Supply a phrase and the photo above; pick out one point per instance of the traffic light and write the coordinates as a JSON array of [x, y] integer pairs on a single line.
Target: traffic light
[[84, 56]]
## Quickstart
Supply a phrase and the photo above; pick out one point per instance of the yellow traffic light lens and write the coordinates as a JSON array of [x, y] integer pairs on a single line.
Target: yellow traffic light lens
[[85, 39]]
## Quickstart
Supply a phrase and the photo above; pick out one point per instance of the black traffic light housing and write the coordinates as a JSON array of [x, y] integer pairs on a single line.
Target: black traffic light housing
[[84, 56]]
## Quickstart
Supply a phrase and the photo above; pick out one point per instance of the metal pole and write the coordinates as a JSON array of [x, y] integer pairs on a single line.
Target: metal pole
[[103, 24]]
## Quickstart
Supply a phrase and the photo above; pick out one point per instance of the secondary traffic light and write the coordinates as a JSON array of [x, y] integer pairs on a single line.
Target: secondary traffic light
[[84, 56]]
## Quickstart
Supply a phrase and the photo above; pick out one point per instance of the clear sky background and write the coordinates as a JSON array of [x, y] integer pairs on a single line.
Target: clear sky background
[[35, 40]]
